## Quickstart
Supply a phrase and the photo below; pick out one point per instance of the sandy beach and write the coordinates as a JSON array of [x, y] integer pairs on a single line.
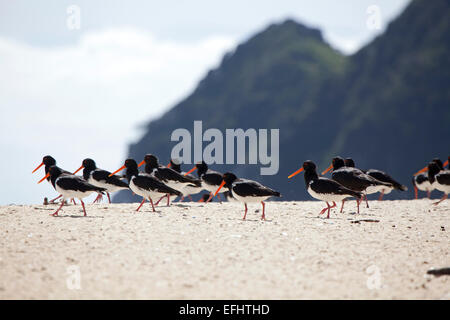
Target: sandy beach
[[197, 251]]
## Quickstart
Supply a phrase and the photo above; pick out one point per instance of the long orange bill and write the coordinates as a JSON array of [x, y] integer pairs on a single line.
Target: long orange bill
[[79, 169], [190, 171], [38, 167], [120, 169], [445, 163], [328, 169], [141, 163], [169, 165], [220, 187], [46, 176], [296, 173], [421, 170]]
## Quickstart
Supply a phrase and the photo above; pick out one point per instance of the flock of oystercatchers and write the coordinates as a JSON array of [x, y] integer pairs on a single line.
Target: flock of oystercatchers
[[158, 181]]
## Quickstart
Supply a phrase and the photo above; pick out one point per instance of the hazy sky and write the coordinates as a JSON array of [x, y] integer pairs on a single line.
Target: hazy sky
[[77, 93]]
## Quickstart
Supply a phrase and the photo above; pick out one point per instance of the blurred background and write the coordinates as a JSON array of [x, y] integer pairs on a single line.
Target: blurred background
[[113, 79]]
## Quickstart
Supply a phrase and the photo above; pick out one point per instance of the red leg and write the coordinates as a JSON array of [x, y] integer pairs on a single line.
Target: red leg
[[182, 198], [168, 199], [56, 212], [53, 201], [218, 196], [263, 217], [84, 209], [99, 197], [109, 198], [367, 203], [415, 192], [73, 201], [357, 203], [325, 209], [160, 199], [381, 195], [442, 199], [245, 214], [210, 197], [342, 208], [143, 200], [151, 201], [428, 194]]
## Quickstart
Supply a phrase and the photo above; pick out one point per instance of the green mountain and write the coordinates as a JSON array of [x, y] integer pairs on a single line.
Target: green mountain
[[387, 106]]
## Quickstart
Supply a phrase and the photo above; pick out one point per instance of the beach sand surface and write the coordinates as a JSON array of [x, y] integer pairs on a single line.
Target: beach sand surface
[[198, 251]]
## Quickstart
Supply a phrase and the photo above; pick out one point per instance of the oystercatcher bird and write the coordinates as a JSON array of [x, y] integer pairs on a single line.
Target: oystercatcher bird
[[189, 189], [211, 180], [245, 191], [324, 189], [70, 186], [380, 176], [49, 161], [143, 184], [100, 178], [420, 179], [168, 176], [353, 179], [439, 179]]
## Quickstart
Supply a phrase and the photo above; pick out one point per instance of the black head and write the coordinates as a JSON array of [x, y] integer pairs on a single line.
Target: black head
[[130, 164], [349, 162], [308, 165], [54, 172], [48, 161], [433, 169], [338, 162], [175, 165], [202, 167], [229, 178], [438, 163], [89, 164], [151, 160]]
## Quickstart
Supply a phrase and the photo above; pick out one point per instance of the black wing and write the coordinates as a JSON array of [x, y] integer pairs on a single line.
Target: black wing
[[328, 186], [212, 178], [150, 183], [384, 177], [421, 178], [103, 176], [443, 177], [168, 174], [248, 188], [75, 183]]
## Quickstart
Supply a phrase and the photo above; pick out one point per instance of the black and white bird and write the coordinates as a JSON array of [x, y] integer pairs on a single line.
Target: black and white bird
[[70, 186], [353, 179], [168, 176], [144, 184], [190, 188], [324, 189], [439, 179], [245, 191], [100, 178], [380, 176], [211, 179], [420, 179], [47, 162]]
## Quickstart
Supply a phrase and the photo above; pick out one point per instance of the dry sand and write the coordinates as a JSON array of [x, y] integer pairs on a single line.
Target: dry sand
[[195, 251]]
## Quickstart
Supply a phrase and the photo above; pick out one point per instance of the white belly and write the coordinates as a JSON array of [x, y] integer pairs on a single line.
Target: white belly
[[327, 196], [109, 188], [248, 199], [441, 187], [69, 194], [375, 189], [425, 186], [143, 192], [188, 190]]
